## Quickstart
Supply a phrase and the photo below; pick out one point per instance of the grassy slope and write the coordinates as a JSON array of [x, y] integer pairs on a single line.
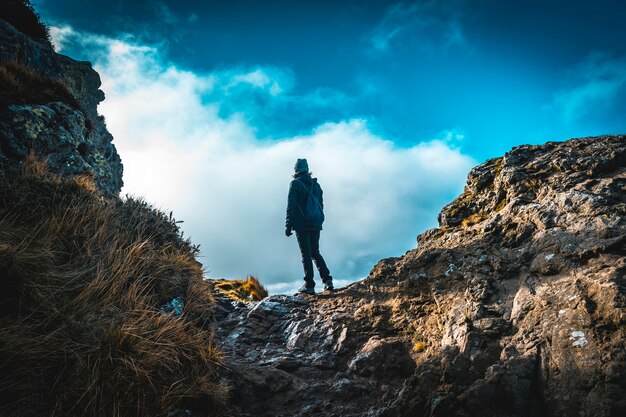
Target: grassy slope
[[82, 281]]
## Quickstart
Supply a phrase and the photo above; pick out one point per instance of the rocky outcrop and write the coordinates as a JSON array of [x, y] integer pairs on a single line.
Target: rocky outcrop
[[295, 356], [73, 139], [514, 306]]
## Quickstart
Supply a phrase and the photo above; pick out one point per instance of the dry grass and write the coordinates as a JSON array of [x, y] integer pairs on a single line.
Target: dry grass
[[473, 219], [81, 282], [249, 289], [21, 85], [419, 346]]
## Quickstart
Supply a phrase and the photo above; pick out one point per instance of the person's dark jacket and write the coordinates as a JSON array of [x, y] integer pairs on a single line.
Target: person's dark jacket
[[296, 201]]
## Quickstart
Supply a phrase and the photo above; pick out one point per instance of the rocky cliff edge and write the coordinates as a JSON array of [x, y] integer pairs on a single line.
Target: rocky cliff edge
[[48, 108], [514, 306]]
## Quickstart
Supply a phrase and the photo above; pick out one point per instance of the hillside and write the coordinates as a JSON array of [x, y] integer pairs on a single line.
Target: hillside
[[513, 306], [103, 307]]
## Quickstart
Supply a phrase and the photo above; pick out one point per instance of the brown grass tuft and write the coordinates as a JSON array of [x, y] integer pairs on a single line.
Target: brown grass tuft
[[87, 181], [249, 289], [419, 346], [83, 282], [21, 85], [473, 219], [34, 167]]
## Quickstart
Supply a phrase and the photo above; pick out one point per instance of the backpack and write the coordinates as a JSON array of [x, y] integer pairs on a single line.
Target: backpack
[[312, 213]]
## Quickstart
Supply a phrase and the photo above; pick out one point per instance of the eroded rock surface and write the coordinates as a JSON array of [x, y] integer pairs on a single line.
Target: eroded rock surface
[[74, 141], [514, 306], [295, 355]]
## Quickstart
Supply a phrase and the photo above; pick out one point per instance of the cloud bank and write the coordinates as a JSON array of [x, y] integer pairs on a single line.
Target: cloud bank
[[182, 152]]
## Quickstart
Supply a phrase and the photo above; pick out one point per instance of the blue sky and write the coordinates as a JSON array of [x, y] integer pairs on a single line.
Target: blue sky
[[392, 102], [502, 73]]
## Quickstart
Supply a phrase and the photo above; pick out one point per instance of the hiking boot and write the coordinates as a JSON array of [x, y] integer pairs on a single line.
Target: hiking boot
[[328, 285], [307, 290]]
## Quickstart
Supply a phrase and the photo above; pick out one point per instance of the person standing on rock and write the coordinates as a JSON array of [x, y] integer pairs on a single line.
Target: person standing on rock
[[305, 215]]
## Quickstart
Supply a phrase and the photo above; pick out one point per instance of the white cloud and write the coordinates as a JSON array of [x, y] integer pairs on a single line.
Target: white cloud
[[230, 187], [59, 35], [593, 85], [258, 78]]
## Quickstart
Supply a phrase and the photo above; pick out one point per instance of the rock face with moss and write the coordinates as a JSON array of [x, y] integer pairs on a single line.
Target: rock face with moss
[[514, 306], [48, 107]]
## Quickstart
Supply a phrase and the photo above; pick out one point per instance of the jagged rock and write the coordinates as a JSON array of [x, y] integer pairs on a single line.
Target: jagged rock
[[59, 134], [515, 306], [73, 141], [383, 358]]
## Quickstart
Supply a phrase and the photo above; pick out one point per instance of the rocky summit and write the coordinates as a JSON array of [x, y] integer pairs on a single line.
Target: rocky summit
[[514, 306]]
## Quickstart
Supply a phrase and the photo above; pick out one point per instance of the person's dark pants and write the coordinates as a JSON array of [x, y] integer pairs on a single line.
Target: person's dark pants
[[309, 242]]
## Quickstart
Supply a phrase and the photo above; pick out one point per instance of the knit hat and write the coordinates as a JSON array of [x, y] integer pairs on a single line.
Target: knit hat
[[301, 166]]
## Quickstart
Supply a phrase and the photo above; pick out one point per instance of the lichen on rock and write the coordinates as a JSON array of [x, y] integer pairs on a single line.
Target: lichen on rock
[[59, 124]]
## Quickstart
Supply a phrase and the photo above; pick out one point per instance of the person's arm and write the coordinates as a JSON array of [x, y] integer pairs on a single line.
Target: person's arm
[[292, 206]]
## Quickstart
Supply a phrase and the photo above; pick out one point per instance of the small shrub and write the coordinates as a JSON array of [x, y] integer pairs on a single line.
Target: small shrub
[[249, 289], [21, 85], [419, 347], [22, 16]]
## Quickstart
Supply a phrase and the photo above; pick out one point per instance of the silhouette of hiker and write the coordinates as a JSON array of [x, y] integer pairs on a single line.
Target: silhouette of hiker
[[305, 215]]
